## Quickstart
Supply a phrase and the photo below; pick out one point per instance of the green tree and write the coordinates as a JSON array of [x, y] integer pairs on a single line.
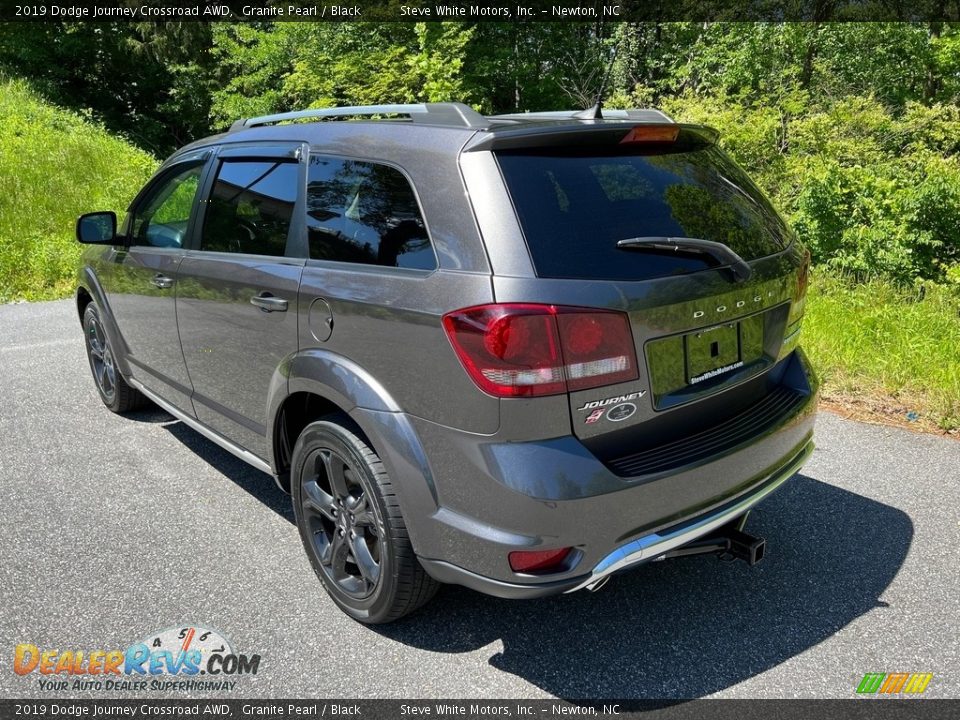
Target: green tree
[[293, 65]]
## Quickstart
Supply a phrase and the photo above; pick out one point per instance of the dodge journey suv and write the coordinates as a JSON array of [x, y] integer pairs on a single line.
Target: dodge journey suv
[[520, 353]]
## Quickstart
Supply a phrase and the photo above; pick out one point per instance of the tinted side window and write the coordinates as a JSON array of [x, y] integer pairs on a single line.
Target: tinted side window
[[250, 208], [363, 212], [161, 219]]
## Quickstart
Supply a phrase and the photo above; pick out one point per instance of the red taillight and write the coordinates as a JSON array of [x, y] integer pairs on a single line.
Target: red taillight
[[537, 560], [597, 348], [525, 350]]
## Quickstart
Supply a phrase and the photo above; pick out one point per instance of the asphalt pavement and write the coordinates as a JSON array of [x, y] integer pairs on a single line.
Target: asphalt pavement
[[113, 528]]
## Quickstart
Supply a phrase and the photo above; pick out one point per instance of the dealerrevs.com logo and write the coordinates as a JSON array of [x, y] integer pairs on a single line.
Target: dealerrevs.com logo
[[170, 660]]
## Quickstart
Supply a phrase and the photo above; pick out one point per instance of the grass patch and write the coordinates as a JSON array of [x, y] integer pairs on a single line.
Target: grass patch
[[54, 165], [882, 343]]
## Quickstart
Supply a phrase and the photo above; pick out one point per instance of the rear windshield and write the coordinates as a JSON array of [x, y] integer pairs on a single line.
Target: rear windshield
[[575, 205]]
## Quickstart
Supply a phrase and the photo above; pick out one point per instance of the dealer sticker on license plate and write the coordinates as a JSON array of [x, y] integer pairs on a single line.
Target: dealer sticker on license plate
[[712, 352]]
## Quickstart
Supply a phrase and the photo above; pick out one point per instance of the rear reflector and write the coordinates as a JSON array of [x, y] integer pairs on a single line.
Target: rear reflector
[[537, 560], [527, 350], [651, 133]]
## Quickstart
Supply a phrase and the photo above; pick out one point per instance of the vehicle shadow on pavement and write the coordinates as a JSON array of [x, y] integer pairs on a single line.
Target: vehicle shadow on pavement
[[257, 484], [689, 627], [149, 414]]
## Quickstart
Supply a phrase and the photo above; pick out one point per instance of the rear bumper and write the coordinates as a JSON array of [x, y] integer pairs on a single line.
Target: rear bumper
[[641, 550], [490, 496]]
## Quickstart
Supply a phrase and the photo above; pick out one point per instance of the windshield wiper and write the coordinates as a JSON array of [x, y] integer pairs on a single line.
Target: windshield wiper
[[718, 251]]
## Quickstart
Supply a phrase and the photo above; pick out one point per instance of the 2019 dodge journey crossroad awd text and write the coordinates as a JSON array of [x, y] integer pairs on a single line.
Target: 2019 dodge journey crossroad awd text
[[519, 353]]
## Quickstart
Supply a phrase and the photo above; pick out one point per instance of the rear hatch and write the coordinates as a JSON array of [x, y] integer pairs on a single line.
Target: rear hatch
[[613, 216]]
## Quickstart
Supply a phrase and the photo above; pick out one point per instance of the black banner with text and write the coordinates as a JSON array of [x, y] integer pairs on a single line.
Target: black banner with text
[[479, 10], [854, 709]]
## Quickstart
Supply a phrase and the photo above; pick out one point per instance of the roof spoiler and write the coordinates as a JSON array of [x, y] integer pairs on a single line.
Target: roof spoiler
[[639, 114], [580, 135]]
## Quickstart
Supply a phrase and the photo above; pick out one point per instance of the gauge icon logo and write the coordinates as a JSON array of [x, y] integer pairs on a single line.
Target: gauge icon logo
[[181, 640], [186, 650]]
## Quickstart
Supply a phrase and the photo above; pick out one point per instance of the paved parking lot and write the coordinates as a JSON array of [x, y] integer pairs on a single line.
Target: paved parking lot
[[112, 528]]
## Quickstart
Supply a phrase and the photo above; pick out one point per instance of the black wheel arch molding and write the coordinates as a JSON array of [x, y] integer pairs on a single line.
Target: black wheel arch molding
[[350, 389], [90, 287]]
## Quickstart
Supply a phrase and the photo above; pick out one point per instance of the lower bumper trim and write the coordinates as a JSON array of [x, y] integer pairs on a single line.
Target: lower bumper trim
[[652, 546], [453, 575], [645, 549]]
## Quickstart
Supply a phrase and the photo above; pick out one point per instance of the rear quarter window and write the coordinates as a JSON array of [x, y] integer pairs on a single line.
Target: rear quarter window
[[365, 213]]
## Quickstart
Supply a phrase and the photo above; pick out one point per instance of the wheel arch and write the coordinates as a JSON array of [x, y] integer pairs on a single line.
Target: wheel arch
[[83, 299], [89, 291], [317, 382]]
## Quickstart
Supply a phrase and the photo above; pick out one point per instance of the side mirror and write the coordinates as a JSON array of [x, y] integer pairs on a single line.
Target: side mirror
[[99, 228]]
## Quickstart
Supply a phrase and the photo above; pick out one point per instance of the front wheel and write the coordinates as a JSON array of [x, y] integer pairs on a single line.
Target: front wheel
[[114, 391], [351, 526]]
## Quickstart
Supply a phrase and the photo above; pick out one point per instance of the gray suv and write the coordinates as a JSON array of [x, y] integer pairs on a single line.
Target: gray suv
[[518, 353]]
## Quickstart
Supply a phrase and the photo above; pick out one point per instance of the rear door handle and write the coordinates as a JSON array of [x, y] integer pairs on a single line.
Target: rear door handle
[[268, 303], [161, 281]]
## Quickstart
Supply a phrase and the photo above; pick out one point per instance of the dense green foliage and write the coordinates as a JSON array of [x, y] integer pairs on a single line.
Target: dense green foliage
[[872, 192], [54, 165], [150, 82], [852, 129]]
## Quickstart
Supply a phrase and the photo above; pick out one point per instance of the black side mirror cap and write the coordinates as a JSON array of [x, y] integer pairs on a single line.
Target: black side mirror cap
[[98, 228]]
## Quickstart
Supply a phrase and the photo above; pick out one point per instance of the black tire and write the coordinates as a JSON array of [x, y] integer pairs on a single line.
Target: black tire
[[113, 389], [351, 526]]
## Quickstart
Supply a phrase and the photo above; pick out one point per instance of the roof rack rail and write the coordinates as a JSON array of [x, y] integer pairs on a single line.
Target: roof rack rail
[[456, 114], [642, 114]]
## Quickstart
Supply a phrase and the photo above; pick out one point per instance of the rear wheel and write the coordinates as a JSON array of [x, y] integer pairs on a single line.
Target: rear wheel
[[351, 525], [114, 391]]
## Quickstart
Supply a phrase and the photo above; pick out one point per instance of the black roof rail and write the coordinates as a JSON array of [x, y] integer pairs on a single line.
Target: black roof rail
[[641, 114], [455, 114]]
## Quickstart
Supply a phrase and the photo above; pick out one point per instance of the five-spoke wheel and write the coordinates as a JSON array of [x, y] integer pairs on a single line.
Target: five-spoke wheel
[[344, 526], [113, 389], [351, 526], [101, 357]]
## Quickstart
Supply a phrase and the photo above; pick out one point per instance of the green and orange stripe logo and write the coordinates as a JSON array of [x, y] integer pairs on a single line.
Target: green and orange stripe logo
[[894, 683]]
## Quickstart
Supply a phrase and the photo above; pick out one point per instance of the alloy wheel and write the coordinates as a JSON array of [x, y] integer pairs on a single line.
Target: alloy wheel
[[343, 524], [101, 358]]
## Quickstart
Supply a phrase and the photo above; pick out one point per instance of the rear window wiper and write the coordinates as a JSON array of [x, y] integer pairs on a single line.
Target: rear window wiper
[[718, 251]]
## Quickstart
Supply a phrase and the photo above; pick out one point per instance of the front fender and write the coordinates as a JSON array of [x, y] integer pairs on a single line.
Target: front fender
[[90, 283]]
